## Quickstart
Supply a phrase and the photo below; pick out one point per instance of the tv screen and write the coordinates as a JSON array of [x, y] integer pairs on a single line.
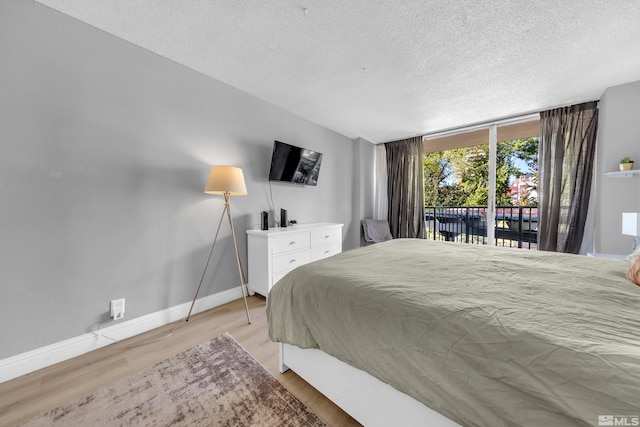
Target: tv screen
[[294, 164]]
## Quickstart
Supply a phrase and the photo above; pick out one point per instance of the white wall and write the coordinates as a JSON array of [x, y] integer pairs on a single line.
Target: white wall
[[104, 152], [618, 137]]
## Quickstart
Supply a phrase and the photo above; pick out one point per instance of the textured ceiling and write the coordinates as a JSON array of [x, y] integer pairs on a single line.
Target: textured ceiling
[[384, 70]]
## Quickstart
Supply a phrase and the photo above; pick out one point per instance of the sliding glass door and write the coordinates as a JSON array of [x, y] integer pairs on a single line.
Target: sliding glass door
[[479, 190]]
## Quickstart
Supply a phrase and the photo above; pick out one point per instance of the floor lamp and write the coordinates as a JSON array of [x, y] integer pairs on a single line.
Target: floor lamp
[[631, 227], [227, 181]]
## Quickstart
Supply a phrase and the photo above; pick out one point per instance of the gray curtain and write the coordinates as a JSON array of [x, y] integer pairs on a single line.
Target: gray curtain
[[566, 156], [405, 161]]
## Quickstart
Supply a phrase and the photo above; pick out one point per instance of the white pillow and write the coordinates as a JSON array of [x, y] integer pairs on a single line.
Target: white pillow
[[635, 254]]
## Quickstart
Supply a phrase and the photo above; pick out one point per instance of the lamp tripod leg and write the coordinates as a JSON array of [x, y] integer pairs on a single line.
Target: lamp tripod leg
[[213, 245], [243, 279]]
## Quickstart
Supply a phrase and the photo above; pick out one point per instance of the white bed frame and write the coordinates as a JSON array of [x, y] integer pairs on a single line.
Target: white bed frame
[[370, 401]]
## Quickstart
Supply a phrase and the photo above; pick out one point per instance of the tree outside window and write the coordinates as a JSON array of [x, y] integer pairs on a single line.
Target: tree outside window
[[459, 177]]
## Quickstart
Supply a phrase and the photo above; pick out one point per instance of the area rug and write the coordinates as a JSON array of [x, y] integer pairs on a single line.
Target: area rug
[[217, 383]]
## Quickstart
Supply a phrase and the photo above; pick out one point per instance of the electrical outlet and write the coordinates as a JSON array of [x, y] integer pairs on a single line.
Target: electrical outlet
[[117, 308]]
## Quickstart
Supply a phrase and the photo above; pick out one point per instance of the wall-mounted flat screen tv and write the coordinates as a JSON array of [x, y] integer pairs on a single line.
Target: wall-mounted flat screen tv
[[294, 164]]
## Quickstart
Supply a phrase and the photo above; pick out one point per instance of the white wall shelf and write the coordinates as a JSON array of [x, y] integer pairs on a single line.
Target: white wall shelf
[[622, 174]]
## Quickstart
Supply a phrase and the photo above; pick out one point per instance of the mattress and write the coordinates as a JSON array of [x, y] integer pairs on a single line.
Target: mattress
[[486, 336]]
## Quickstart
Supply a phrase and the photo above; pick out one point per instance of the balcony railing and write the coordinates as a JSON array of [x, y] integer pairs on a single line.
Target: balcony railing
[[514, 226]]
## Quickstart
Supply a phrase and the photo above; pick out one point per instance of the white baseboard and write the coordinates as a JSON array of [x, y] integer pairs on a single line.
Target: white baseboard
[[30, 361]]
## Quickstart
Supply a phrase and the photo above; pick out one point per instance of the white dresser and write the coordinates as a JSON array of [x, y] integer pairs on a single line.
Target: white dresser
[[273, 253]]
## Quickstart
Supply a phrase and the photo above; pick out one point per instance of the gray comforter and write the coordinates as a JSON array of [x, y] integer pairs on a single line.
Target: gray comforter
[[486, 336]]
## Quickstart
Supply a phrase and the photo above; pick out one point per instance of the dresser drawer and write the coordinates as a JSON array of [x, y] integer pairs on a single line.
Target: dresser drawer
[[289, 261], [325, 251], [321, 237], [275, 252], [290, 243], [277, 277]]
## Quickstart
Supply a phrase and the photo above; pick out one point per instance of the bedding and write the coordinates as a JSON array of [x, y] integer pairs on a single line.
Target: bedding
[[486, 336]]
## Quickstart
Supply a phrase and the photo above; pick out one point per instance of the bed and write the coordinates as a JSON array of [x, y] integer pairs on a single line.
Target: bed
[[479, 336]]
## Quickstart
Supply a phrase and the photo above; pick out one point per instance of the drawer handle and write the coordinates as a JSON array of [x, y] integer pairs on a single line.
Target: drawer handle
[[326, 237], [292, 261], [292, 243], [326, 252]]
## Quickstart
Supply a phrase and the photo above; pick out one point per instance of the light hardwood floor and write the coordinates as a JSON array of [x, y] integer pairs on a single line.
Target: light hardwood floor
[[37, 392]]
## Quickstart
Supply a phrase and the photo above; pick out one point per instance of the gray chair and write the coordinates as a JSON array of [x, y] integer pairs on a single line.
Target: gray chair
[[376, 231]]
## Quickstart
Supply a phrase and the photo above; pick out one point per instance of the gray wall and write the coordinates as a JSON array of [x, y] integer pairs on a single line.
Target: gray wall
[[618, 137], [105, 149], [363, 187]]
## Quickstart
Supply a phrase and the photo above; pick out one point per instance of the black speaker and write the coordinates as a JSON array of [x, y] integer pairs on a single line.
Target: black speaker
[[283, 218], [264, 220]]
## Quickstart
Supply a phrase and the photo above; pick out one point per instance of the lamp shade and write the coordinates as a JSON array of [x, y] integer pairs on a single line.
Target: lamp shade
[[226, 179], [631, 223]]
